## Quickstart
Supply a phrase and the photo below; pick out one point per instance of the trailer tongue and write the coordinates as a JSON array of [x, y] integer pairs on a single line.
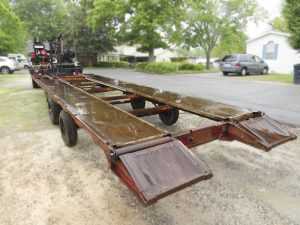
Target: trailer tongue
[[153, 163]]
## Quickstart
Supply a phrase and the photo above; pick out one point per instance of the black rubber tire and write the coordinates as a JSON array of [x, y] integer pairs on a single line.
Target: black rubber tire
[[5, 70], [68, 129], [54, 110], [265, 71], [244, 72], [170, 117], [225, 73], [138, 103], [34, 84]]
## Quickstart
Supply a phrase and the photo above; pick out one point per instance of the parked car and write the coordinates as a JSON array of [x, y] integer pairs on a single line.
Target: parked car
[[7, 65], [21, 61], [243, 64]]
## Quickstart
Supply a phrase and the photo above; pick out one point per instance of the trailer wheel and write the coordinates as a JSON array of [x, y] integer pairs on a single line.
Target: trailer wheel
[[53, 110], [138, 103], [170, 117], [34, 84], [68, 129]]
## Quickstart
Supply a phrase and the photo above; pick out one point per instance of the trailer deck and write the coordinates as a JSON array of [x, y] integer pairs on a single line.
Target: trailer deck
[[152, 162], [198, 106]]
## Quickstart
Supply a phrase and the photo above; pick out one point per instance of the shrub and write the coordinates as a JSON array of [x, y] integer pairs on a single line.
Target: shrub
[[161, 67], [199, 67], [121, 64], [168, 67], [179, 59], [192, 67], [141, 66], [186, 66]]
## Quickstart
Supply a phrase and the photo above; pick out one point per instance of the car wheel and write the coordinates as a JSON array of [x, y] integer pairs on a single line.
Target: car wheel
[[26, 67], [225, 73], [265, 71], [5, 70], [244, 72]]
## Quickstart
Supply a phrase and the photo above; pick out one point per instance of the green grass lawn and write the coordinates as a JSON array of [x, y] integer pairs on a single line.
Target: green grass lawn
[[282, 78], [22, 108]]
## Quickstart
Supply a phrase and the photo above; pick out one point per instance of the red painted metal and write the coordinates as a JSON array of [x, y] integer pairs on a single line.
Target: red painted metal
[[135, 149]]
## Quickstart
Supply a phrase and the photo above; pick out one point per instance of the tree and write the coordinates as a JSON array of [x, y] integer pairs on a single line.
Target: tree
[[279, 24], [85, 41], [231, 41], [146, 23], [44, 19], [208, 20], [292, 15], [185, 53], [12, 33]]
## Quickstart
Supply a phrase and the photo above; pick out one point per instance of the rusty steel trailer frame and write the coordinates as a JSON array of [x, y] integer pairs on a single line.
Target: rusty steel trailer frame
[[252, 128]]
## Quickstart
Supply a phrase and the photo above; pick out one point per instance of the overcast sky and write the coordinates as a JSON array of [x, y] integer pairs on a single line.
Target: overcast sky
[[273, 8]]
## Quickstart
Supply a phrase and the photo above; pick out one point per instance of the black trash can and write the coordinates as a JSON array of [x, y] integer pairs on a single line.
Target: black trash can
[[297, 74]]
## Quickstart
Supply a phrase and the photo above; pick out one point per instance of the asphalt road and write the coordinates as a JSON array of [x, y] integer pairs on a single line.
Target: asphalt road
[[280, 101]]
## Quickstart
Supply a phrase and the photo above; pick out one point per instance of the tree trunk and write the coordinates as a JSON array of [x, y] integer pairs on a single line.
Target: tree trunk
[[89, 59], [151, 55], [208, 60]]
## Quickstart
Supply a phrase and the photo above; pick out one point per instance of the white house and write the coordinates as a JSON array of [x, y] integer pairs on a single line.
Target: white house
[[125, 51], [274, 48], [130, 53]]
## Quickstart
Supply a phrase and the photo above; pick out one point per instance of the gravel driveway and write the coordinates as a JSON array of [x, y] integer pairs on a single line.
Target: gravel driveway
[[42, 182]]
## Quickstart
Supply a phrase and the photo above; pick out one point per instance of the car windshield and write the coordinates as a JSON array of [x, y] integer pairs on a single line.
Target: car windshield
[[230, 58]]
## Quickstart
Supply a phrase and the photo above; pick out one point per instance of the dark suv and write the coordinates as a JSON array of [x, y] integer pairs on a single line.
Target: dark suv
[[243, 64]]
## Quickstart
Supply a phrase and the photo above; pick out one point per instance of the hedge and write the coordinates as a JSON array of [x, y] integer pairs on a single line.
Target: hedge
[[192, 67], [168, 67], [120, 64], [161, 67], [141, 66]]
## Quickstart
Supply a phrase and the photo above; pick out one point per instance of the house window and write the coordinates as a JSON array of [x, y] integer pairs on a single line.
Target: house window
[[270, 51]]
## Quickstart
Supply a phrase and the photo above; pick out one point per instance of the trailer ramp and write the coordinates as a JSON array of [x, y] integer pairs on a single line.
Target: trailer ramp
[[162, 168], [261, 132]]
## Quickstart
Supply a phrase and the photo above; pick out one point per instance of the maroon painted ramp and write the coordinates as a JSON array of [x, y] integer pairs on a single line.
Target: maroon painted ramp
[[261, 132], [165, 168]]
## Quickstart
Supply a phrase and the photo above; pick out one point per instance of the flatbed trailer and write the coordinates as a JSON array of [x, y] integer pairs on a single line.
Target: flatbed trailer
[[152, 162]]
